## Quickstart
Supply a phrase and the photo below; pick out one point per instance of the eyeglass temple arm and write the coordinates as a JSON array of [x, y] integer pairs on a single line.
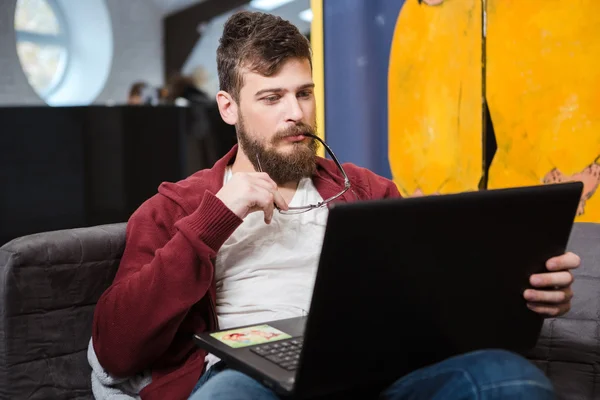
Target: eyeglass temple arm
[[337, 163], [335, 160]]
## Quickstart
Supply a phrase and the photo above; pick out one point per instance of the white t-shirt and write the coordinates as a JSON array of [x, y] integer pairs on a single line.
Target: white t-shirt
[[267, 272]]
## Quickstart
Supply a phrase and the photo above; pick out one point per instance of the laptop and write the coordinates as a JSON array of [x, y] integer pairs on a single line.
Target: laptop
[[405, 283]]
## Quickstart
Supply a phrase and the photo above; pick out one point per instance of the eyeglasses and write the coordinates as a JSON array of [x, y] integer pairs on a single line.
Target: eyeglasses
[[303, 209]]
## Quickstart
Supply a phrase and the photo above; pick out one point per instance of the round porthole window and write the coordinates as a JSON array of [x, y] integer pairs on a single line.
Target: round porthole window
[[42, 44], [65, 48]]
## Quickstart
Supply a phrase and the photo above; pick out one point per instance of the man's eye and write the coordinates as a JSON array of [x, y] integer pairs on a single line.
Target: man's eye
[[304, 95], [271, 99]]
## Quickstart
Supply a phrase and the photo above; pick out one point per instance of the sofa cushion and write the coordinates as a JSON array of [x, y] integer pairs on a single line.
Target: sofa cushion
[[49, 285], [568, 348]]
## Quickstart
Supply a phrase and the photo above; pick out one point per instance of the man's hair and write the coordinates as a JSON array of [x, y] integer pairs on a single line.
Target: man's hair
[[137, 88], [259, 42]]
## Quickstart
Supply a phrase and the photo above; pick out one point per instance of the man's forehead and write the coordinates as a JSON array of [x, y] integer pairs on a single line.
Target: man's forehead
[[247, 74], [261, 85]]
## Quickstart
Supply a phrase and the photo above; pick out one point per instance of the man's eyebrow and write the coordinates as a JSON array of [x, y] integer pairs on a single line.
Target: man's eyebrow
[[307, 86], [279, 90], [273, 90]]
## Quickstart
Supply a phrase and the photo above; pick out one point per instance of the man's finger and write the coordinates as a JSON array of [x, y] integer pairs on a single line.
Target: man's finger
[[550, 311], [268, 207], [566, 261], [271, 187], [279, 201], [551, 279], [548, 296], [264, 181], [263, 201]]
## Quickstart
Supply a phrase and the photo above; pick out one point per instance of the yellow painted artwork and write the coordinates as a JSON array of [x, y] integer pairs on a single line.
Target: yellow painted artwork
[[434, 97], [543, 91]]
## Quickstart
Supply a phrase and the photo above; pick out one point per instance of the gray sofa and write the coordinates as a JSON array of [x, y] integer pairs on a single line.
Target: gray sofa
[[50, 282]]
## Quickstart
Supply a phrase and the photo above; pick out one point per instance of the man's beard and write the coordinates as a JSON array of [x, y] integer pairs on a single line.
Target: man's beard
[[298, 163]]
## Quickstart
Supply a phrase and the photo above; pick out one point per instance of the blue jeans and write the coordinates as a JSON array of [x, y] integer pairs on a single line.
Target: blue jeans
[[482, 375]]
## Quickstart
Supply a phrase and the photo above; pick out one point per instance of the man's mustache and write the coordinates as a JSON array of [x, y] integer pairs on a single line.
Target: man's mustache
[[296, 130]]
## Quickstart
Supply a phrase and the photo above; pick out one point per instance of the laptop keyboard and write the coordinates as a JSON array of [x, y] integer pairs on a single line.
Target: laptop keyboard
[[285, 353]]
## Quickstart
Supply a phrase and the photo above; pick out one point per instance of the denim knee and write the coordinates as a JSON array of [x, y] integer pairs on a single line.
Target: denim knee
[[500, 368], [233, 385], [485, 374]]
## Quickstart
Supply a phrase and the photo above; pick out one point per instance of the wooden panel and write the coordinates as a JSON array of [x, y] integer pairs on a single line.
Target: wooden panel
[[318, 60], [543, 89], [435, 108]]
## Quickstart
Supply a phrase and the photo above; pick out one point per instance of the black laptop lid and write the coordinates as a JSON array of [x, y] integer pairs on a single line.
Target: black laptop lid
[[403, 283]]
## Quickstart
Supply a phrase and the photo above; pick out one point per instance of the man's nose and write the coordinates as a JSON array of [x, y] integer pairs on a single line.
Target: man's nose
[[295, 113]]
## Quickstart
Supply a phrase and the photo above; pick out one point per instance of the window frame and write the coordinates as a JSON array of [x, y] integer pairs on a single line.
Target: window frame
[[61, 40]]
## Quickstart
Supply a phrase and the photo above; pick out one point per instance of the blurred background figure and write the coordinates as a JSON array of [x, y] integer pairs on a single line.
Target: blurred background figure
[[135, 93], [186, 89], [141, 93], [209, 137]]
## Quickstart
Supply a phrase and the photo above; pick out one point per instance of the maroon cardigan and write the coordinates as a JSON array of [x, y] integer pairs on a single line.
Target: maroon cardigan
[[164, 290]]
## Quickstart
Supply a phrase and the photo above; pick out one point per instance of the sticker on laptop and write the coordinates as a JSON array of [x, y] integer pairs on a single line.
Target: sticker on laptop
[[250, 336]]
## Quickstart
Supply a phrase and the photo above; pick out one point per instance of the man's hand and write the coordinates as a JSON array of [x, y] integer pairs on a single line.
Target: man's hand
[[553, 293], [246, 193]]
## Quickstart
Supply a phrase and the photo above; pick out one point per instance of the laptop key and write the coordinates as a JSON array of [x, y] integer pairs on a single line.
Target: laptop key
[[261, 351], [286, 354], [276, 358]]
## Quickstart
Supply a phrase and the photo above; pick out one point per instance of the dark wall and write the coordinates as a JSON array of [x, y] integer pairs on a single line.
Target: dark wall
[[181, 30], [80, 166]]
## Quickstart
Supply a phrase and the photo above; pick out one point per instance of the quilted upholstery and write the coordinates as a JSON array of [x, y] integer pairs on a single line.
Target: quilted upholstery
[[568, 350], [49, 285]]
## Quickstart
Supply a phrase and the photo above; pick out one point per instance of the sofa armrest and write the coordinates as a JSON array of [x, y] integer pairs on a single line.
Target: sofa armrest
[[567, 350], [49, 285]]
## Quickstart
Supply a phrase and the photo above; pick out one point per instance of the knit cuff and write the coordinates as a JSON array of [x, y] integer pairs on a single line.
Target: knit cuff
[[213, 222]]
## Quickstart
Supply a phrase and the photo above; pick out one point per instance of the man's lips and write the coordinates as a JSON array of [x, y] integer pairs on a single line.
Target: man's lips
[[295, 138]]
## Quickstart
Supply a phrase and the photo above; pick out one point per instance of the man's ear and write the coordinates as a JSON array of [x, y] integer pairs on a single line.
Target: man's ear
[[227, 107]]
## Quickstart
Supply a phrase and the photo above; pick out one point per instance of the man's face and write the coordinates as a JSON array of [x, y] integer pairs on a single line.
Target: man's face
[[273, 112], [134, 100]]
